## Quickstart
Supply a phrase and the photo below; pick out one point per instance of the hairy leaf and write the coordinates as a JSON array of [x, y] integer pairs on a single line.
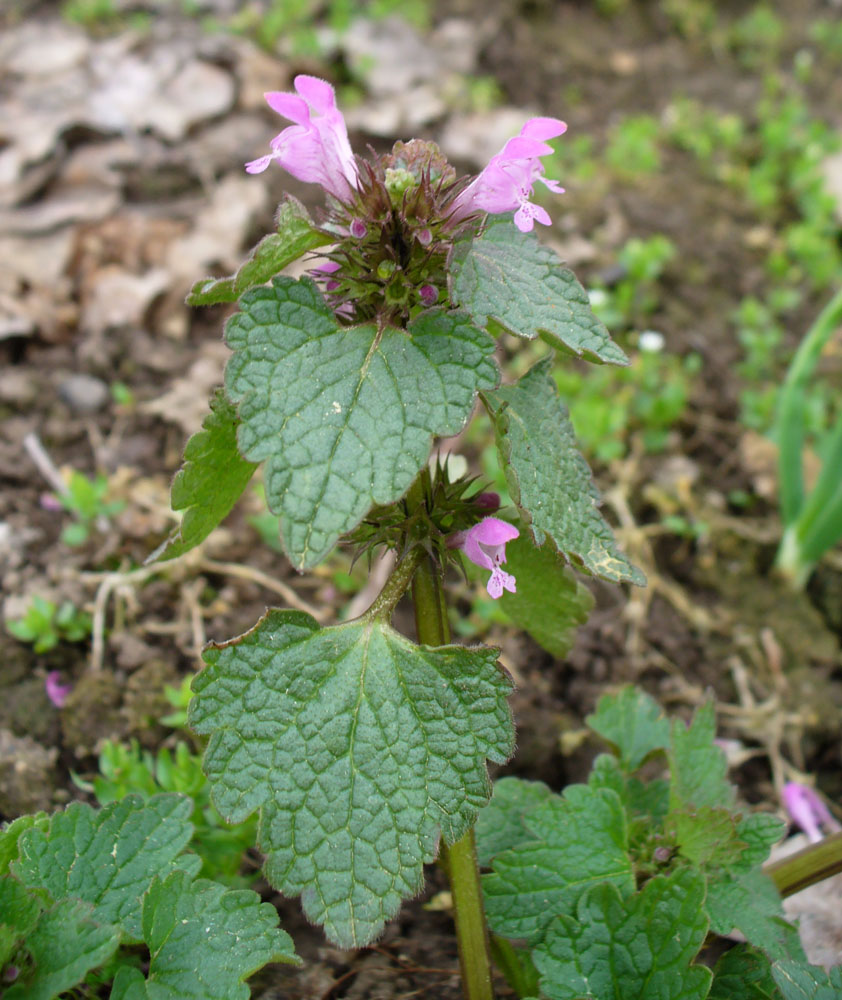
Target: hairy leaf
[[11, 833], [500, 824], [344, 416], [106, 857], [743, 974], [807, 982], [203, 940], [751, 904], [358, 747], [550, 602], [698, 767], [508, 278], [65, 945], [294, 237], [549, 480], [636, 948], [633, 723], [210, 482], [19, 913], [578, 839]]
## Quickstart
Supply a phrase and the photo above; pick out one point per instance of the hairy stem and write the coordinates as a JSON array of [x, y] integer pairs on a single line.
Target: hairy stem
[[460, 859], [813, 864]]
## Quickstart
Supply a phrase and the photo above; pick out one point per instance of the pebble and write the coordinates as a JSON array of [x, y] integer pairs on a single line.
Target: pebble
[[83, 393]]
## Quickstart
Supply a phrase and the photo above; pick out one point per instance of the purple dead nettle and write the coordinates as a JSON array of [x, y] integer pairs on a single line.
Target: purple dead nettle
[[56, 691], [485, 545], [316, 149], [809, 811]]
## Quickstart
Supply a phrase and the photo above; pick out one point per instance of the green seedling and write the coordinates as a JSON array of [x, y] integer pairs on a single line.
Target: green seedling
[[611, 888], [46, 624], [812, 522], [633, 146], [128, 770], [635, 296], [86, 500]]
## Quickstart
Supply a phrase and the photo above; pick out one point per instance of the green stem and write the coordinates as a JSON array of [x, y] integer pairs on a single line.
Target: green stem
[[460, 859], [813, 864]]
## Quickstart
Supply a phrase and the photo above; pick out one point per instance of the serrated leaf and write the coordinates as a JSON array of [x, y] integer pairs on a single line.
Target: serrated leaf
[[759, 832], [637, 948], [698, 768], [210, 481], [10, 834], [706, 836], [106, 857], [632, 723], [743, 974], [550, 602], [65, 945], [549, 480], [578, 839], [203, 940], [344, 416], [645, 802], [19, 913], [500, 824], [751, 904], [509, 278], [294, 237], [807, 982], [358, 747]]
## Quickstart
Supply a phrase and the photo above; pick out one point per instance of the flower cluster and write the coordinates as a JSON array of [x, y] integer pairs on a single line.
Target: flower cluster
[[395, 217]]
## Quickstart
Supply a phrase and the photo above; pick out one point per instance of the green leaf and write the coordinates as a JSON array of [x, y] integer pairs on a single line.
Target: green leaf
[[638, 948], [632, 723], [807, 982], [759, 832], [706, 836], [294, 237], [10, 834], [19, 913], [751, 904], [358, 747], [500, 824], [210, 481], [550, 602], [646, 802], [698, 768], [743, 974], [549, 480], [508, 278], [203, 940], [578, 839], [344, 416], [106, 857], [65, 945]]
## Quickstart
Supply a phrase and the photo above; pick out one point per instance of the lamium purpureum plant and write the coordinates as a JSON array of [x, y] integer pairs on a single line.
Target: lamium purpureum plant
[[363, 751]]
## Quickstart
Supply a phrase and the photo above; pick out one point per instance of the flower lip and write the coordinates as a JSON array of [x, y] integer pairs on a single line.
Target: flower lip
[[485, 545]]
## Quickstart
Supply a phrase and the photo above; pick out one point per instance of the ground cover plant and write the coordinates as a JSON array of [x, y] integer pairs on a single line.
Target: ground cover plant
[[701, 220]]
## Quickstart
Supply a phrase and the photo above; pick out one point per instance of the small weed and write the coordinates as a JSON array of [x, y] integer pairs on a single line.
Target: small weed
[[633, 146], [126, 770], [635, 297], [46, 624], [86, 500]]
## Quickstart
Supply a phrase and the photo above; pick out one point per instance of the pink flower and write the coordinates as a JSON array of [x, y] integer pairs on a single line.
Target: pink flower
[[808, 810], [56, 691], [485, 545], [316, 148], [506, 183]]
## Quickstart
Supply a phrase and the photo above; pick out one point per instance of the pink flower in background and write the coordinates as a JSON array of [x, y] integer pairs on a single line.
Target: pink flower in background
[[316, 148], [485, 545], [808, 810], [505, 185], [56, 691]]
